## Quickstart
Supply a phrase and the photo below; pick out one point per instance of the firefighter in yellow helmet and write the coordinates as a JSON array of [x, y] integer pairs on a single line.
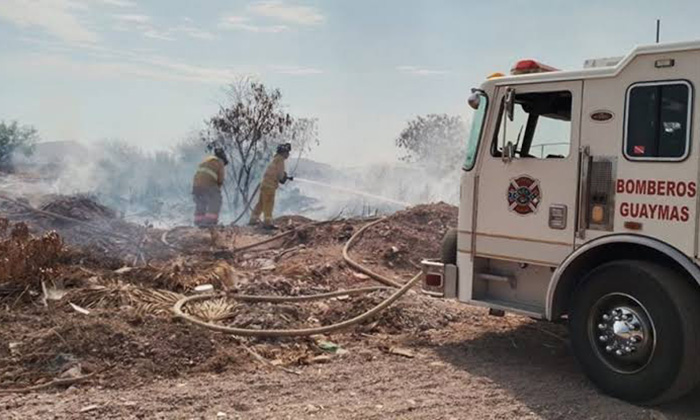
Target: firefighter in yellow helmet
[[274, 175], [206, 189]]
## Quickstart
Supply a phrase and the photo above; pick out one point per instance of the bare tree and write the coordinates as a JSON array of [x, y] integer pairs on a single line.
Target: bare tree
[[245, 127], [248, 127]]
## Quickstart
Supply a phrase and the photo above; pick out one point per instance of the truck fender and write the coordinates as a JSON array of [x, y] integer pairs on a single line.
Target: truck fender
[[565, 276]]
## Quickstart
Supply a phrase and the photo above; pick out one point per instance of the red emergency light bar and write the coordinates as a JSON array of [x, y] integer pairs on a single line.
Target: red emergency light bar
[[530, 66]]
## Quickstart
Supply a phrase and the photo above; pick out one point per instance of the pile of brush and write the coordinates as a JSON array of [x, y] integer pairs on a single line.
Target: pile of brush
[[79, 207]]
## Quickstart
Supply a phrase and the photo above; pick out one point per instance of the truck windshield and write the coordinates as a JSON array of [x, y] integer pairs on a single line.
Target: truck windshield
[[475, 132]]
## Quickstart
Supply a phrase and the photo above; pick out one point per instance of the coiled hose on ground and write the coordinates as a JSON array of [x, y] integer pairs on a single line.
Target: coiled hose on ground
[[300, 332]]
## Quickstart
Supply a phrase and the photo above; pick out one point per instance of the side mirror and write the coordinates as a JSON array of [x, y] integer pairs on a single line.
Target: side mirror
[[510, 103], [474, 100], [508, 152]]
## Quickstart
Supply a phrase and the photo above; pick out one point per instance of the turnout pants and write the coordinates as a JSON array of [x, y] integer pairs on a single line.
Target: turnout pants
[[207, 202], [266, 202]]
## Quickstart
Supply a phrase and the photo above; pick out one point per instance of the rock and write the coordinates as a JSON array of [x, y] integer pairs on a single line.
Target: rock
[[14, 348]]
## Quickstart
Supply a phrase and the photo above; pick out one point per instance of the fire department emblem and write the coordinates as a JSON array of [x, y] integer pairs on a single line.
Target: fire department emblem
[[524, 195]]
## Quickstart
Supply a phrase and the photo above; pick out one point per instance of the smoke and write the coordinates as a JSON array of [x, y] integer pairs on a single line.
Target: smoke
[[144, 187], [155, 187]]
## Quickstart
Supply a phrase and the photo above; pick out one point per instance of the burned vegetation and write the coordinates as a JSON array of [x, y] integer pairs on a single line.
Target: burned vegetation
[[85, 295]]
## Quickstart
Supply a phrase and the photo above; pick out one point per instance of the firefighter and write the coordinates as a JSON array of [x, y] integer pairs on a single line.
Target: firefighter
[[206, 189], [274, 175]]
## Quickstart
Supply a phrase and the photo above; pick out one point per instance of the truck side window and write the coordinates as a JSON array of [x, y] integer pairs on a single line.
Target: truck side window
[[541, 126], [658, 120]]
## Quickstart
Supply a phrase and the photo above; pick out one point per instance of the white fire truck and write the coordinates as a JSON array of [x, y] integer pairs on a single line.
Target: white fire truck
[[579, 203]]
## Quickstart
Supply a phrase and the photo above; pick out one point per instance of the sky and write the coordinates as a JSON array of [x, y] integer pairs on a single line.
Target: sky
[[151, 72]]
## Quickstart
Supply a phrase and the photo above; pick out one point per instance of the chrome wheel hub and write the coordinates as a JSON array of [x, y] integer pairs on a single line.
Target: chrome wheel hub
[[622, 333]]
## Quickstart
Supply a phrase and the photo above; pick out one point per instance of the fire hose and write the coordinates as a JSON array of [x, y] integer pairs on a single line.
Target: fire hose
[[400, 291], [246, 208]]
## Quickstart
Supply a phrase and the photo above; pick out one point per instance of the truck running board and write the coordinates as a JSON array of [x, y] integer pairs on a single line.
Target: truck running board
[[532, 311]]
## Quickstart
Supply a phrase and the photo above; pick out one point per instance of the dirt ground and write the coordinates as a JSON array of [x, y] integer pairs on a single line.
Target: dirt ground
[[488, 368], [422, 358]]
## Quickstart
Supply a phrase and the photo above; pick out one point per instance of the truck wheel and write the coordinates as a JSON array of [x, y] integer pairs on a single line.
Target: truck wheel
[[448, 252], [635, 329]]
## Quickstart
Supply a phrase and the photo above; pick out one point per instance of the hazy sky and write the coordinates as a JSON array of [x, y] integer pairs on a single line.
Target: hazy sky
[[149, 72]]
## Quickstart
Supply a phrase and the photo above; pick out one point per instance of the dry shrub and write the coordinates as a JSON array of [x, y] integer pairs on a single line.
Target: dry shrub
[[25, 259]]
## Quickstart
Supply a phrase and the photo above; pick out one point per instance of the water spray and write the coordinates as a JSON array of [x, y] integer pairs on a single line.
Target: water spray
[[353, 192]]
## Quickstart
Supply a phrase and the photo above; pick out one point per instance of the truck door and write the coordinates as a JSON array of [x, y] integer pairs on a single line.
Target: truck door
[[529, 176]]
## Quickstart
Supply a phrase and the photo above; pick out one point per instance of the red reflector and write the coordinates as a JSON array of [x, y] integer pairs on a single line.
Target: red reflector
[[530, 66], [433, 280], [633, 225]]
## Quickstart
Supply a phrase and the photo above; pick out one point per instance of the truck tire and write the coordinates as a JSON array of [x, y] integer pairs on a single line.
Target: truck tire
[[635, 330], [448, 252]]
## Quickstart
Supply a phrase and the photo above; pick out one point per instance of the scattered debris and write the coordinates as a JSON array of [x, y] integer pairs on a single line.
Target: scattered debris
[[328, 346], [78, 309], [204, 288], [320, 359], [89, 408], [401, 352], [360, 276], [130, 327]]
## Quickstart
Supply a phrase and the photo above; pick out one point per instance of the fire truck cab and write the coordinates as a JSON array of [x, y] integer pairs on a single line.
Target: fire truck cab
[[579, 203]]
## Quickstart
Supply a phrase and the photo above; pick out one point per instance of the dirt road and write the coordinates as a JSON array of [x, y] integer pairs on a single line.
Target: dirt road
[[482, 368]]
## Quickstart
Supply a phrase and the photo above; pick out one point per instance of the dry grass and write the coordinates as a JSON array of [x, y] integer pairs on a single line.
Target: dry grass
[[212, 310], [117, 294]]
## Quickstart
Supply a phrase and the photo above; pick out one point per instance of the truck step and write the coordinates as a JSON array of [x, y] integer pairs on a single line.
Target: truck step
[[533, 311]]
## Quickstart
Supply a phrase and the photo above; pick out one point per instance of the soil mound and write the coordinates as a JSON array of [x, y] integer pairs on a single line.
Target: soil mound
[[409, 236], [80, 207]]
